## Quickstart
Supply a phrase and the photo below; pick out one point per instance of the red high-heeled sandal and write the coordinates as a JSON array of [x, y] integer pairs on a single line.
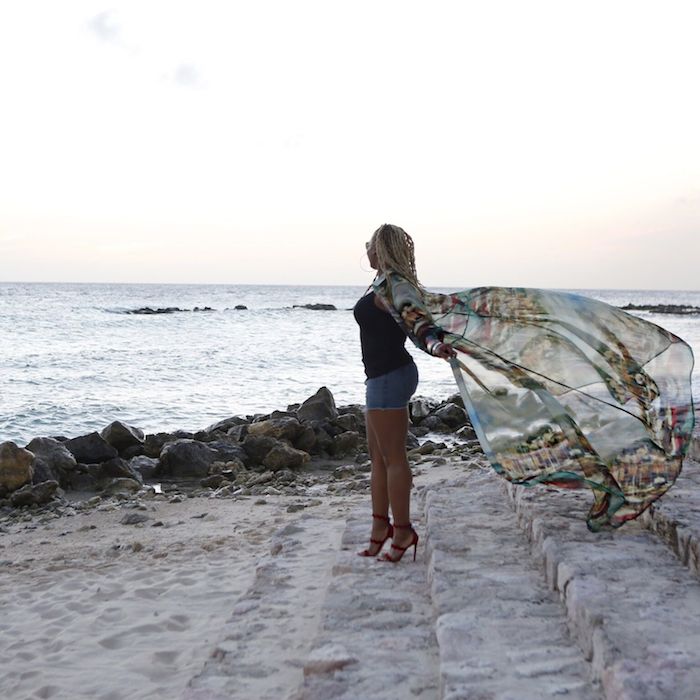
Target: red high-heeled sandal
[[402, 550], [389, 533]]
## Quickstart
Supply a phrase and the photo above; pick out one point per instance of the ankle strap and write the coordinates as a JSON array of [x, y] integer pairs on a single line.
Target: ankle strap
[[404, 527], [380, 517]]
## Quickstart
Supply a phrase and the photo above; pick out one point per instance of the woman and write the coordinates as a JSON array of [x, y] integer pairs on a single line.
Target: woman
[[561, 389], [392, 378]]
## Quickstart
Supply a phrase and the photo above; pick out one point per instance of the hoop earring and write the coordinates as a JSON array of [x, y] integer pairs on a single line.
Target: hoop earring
[[362, 260]]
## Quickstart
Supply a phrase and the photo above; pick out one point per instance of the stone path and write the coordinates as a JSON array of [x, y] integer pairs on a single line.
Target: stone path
[[676, 517], [511, 598], [632, 605], [377, 636], [501, 632]]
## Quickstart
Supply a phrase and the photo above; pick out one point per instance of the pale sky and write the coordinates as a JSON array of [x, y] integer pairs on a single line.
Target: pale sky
[[545, 144]]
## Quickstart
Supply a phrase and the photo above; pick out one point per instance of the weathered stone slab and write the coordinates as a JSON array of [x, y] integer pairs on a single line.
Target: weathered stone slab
[[631, 604], [376, 638], [501, 632], [676, 517]]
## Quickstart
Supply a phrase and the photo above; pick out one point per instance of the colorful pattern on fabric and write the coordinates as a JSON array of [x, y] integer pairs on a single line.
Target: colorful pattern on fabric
[[562, 389]]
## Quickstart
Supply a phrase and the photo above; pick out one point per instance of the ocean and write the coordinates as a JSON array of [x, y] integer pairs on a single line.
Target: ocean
[[73, 359]]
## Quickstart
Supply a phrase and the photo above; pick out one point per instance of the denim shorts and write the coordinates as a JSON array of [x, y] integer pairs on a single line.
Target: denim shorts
[[393, 389]]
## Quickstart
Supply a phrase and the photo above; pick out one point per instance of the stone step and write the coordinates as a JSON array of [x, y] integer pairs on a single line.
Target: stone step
[[376, 640], [676, 517], [502, 634], [632, 606]]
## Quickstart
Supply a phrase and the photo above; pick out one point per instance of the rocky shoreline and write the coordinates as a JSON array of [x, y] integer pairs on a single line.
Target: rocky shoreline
[[151, 311], [312, 448], [677, 309]]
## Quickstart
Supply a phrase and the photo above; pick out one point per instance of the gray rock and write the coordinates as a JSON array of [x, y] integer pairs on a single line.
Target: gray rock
[[238, 432], [263, 478], [452, 415], [147, 310], [230, 467], [155, 442], [456, 399], [285, 476], [356, 409], [16, 467], [279, 428], [134, 518], [466, 433], [32, 494], [257, 447], [283, 456], [320, 406], [118, 468], [228, 450], [42, 472], [145, 466], [411, 441], [433, 423], [121, 486], [52, 461], [225, 425], [329, 426], [83, 480], [428, 447], [306, 440], [133, 451], [315, 307], [349, 421], [420, 408], [346, 443], [214, 481], [90, 449], [283, 414], [186, 458], [324, 442], [121, 436]]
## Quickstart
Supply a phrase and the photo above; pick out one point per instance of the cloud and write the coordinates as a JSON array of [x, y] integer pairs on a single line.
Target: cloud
[[105, 27], [689, 199], [11, 242], [187, 75]]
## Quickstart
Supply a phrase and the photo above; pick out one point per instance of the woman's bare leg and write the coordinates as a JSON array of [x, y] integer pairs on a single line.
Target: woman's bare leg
[[389, 427], [378, 486]]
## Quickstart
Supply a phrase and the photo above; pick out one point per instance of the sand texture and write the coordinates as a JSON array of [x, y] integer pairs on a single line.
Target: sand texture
[[263, 597], [92, 608]]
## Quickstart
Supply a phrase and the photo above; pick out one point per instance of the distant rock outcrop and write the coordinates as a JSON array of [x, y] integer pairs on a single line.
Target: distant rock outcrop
[[315, 307], [147, 310], [681, 309]]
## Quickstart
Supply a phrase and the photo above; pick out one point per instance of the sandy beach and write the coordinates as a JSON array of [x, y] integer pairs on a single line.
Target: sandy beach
[[250, 589], [92, 608], [147, 573], [256, 597]]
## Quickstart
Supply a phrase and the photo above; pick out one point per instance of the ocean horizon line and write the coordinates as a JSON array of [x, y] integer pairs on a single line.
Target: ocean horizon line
[[336, 285]]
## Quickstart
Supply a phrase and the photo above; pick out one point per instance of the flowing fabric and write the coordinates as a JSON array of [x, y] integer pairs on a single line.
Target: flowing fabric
[[562, 389]]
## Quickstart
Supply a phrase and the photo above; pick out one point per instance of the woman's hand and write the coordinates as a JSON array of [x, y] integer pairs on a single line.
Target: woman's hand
[[444, 351]]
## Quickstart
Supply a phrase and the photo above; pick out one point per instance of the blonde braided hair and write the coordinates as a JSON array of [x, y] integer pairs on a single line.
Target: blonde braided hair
[[396, 253]]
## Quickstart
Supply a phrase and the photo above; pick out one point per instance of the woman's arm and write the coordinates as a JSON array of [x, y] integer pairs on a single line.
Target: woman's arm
[[408, 308]]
